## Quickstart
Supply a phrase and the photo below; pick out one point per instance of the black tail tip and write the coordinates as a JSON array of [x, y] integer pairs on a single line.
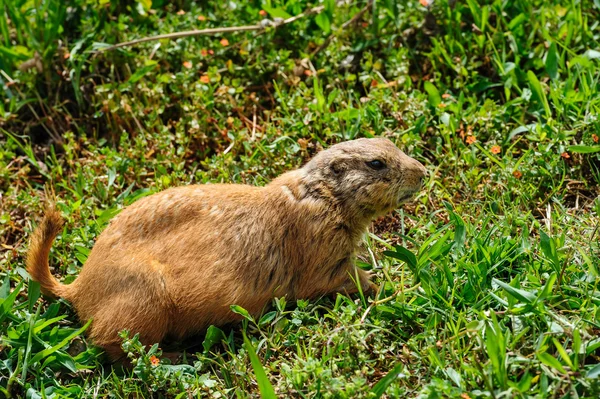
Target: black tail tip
[[52, 223]]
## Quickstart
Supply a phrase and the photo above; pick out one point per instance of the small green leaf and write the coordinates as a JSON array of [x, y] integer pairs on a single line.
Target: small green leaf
[[551, 361], [384, 383], [5, 289], [267, 318], [82, 253], [146, 4], [592, 345], [521, 129], [544, 293], [16, 53], [594, 372], [213, 336], [140, 73], [437, 249], [563, 353], [241, 311], [460, 232], [347, 114], [330, 6], [320, 97], [517, 21], [276, 12], [549, 249], [324, 22], [474, 7], [454, 376], [434, 95], [404, 255], [592, 54]]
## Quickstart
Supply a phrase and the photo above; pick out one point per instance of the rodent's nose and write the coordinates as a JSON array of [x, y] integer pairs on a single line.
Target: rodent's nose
[[420, 170]]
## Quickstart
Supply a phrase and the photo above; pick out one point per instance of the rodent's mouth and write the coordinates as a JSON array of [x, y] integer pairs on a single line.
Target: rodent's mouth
[[405, 197]]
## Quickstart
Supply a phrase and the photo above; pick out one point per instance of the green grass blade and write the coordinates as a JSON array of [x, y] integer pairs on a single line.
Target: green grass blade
[[7, 303], [264, 385], [551, 361], [32, 320], [47, 352], [584, 149], [522, 295], [552, 61], [538, 91]]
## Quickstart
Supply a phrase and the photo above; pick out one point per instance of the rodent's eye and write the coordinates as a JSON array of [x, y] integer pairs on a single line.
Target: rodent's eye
[[376, 164]]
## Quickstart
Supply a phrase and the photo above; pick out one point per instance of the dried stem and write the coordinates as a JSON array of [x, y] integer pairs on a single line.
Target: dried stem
[[346, 24], [212, 31]]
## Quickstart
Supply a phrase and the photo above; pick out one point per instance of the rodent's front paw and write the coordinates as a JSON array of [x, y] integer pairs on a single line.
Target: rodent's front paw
[[368, 286], [351, 285], [372, 288]]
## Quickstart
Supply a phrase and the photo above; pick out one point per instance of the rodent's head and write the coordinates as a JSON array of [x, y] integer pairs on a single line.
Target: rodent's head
[[368, 176]]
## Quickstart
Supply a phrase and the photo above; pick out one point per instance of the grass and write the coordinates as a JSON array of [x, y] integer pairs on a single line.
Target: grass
[[489, 278]]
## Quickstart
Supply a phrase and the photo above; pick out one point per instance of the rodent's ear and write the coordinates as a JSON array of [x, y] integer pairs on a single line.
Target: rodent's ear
[[337, 166]]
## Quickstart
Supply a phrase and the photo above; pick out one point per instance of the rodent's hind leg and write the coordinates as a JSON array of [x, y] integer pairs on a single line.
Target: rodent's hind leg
[[115, 354], [173, 357], [145, 318]]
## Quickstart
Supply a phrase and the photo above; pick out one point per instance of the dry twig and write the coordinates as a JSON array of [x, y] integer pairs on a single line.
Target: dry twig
[[198, 32], [346, 24]]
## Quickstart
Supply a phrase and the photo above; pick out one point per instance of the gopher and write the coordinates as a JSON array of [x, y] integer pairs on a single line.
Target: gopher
[[172, 263]]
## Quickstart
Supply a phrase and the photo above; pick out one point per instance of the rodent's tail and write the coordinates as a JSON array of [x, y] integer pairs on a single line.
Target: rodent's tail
[[39, 250]]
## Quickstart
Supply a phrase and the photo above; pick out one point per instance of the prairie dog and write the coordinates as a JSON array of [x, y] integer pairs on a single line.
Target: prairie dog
[[172, 263]]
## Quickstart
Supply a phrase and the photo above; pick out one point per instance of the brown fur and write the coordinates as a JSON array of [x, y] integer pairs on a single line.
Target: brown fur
[[172, 263]]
